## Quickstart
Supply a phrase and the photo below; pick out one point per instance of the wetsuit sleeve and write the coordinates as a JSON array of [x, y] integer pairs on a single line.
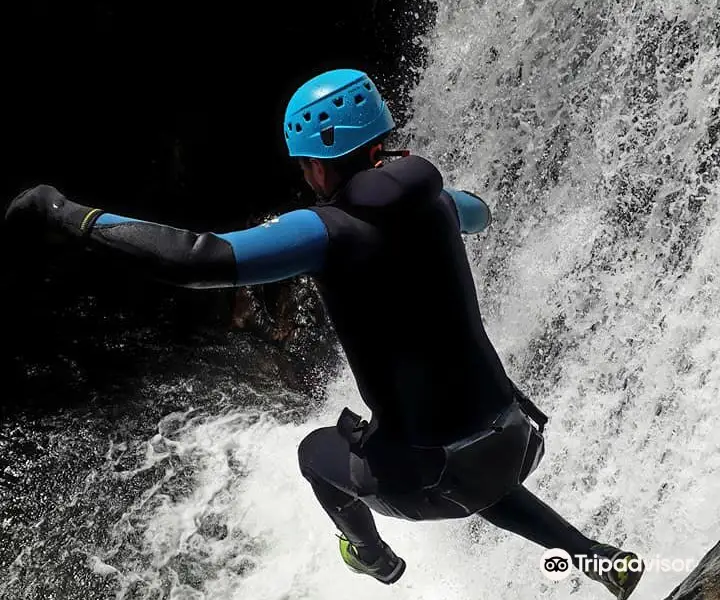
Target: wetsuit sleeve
[[293, 244], [473, 213]]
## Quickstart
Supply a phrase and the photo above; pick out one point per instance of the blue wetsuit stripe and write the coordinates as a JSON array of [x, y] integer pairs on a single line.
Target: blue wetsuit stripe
[[472, 211], [108, 219], [294, 243]]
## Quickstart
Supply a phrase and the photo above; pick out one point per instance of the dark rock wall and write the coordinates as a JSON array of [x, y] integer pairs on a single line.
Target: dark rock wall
[[704, 581]]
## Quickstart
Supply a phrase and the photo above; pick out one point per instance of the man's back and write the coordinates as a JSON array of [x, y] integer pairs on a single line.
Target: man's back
[[400, 292]]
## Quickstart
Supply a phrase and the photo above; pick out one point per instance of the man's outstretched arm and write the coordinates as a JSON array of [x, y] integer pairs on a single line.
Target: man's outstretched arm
[[292, 244]]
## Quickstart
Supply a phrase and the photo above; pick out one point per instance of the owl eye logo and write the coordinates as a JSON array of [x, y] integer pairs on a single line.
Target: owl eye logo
[[555, 564]]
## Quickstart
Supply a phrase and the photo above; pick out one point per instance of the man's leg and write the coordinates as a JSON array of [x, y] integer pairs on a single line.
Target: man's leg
[[523, 513], [325, 462], [340, 479]]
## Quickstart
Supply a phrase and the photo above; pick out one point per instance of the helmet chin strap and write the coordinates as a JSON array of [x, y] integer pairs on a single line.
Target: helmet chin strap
[[377, 152]]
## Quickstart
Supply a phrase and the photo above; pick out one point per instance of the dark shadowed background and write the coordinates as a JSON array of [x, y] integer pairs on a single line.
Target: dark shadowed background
[[164, 111]]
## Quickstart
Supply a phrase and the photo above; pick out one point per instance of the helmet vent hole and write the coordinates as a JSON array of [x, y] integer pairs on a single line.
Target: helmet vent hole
[[359, 99], [323, 116], [307, 116], [298, 127], [338, 102], [367, 85], [328, 136], [287, 135], [289, 126]]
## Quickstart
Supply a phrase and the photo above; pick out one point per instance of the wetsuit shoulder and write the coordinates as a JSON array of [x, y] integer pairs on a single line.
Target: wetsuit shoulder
[[412, 177]]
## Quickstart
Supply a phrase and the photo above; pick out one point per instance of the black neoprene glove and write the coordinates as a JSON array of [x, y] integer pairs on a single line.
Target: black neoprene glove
[[45, 209]]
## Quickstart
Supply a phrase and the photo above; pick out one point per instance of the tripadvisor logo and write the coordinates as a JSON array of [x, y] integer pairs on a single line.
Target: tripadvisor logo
[[556, 564]]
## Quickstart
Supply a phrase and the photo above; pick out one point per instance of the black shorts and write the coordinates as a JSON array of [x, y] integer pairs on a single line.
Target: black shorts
[[425, 483]]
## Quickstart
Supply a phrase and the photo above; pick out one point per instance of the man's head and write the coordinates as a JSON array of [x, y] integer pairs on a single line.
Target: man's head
[[325, 175], [332, 124]]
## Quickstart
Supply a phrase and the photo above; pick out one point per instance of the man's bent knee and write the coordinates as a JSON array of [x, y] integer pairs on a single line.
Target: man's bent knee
[[314, 446]]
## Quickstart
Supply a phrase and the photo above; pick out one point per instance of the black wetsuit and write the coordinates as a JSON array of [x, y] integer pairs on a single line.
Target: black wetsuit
[[401, 295]]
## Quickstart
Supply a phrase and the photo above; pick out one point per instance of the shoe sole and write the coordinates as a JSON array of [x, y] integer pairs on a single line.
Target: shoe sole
[[392, 577], [396, 574]]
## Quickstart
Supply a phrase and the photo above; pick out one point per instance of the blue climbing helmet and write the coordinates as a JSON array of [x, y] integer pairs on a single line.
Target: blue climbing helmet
[[335, 113]]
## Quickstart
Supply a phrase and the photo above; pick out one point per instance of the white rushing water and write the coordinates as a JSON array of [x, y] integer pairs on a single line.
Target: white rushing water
[[590, 128]]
